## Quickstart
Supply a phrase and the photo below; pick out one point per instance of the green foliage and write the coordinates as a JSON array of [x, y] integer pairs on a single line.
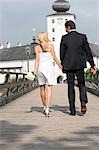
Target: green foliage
[[90, 75]]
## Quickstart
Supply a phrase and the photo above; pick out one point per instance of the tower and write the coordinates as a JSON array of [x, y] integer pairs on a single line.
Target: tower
[[55, 25]]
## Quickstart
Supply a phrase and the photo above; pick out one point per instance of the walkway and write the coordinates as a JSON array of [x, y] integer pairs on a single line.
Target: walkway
[[21, 129]]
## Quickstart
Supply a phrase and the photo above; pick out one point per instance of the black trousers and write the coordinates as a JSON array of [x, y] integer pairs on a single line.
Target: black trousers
[[81, 84]]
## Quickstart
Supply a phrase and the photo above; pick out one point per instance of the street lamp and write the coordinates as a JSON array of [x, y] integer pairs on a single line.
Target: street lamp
[[34, 38], [28, 51]]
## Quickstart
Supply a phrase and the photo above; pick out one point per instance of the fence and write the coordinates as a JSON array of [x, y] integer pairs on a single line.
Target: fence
[[11, 90], [92, 85]]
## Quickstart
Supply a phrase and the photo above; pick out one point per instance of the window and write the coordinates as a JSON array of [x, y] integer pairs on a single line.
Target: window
[[53, 39], [53, 29], [66, 20], [53, 21]]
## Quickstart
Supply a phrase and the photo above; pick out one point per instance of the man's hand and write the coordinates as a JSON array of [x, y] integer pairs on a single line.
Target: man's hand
[[93, 70]]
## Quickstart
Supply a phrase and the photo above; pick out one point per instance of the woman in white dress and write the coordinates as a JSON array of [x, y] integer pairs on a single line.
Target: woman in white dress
[[44, 68]]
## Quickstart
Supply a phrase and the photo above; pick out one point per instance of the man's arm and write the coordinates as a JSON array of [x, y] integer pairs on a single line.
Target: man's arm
[[89, 55], [88, 52]]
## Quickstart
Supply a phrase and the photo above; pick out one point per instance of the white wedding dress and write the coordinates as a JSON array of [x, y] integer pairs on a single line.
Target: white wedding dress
[[46, 73]]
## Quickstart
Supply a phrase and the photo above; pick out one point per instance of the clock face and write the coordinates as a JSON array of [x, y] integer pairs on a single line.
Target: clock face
[[60, 20]]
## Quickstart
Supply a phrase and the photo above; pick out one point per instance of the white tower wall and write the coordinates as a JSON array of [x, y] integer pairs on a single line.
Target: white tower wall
[[55, 29]]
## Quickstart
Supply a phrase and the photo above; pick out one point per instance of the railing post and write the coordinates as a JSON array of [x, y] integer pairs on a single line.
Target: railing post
[[16, 77]]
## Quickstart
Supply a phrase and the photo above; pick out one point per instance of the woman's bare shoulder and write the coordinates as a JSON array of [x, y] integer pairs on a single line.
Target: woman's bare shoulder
[[50, 45], [37, 48]]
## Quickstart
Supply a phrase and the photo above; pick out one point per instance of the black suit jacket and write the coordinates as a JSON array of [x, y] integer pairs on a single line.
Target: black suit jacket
[[74, 51]]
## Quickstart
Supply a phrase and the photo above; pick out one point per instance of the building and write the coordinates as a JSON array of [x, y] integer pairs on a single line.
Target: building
[[56, 28], [23, 56], [18, 57], [55, 25]]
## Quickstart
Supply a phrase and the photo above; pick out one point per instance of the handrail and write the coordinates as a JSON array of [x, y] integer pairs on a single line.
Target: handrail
[[2, 68], [11, 90], [11, 72], [92, 85], [8, 73], [92, 80]]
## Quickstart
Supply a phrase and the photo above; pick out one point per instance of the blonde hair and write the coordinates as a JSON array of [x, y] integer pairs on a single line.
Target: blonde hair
[[43, 39]]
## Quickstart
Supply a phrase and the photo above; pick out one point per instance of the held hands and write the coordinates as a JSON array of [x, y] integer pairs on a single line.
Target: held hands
[[61, 67], [93, 70]]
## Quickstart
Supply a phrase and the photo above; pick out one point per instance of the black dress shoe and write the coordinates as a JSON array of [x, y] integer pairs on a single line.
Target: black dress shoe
[[83, 109], [72, 110], [72, 114]]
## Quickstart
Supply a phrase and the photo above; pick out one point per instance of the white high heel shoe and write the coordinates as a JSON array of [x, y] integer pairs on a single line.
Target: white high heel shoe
[[47, 112], [44, 108]]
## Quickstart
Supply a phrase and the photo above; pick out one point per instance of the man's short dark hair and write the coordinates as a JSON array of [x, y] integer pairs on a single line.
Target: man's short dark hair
[[71, 24]]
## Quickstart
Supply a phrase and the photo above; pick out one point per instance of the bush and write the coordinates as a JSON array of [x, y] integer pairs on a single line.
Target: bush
[[90, 75]]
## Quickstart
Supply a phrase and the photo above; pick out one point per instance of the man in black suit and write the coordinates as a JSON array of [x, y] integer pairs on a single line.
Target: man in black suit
[[74, 51]]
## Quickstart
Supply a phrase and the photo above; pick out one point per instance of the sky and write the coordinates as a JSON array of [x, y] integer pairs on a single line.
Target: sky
[[19, 17]]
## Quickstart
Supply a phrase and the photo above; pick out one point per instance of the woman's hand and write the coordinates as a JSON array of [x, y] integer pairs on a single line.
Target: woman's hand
[[61, 67]]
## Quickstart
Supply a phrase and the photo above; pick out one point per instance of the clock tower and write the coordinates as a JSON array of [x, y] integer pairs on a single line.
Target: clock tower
[[55, 25]]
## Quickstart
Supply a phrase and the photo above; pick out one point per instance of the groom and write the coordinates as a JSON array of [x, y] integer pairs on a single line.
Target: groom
[[74, 51]]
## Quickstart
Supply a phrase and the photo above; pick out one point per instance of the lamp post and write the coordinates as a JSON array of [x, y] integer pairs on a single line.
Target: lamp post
[[34, 38], [28, 51]]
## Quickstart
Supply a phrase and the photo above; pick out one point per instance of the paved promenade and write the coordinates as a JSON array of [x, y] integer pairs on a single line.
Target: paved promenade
[[21, 129]]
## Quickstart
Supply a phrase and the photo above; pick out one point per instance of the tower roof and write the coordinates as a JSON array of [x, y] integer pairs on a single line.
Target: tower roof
[[62, 14], [61, 6]]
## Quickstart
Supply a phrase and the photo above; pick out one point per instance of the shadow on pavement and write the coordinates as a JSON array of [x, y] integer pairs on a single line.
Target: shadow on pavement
[[84, 140], [11, 133], [63, 109]]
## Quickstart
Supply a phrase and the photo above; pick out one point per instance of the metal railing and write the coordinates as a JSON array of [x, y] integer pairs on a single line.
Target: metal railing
[[92, 85], [13, 90], [92, 82]]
